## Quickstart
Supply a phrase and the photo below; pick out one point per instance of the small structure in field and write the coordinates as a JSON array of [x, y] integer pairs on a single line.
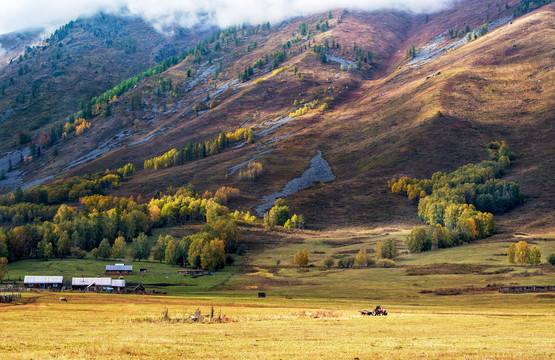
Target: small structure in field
[[195, 272], [139, 289], [98, 284], [8, 298], [261, 294], [43, 282], [527, 289], [119, 269]]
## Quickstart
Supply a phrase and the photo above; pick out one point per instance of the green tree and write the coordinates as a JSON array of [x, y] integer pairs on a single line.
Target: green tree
[[75, 238], [118, 249], [280, 212], [522, 253], [301, 258], [270, 220], [183, 249], [64, 245], [104, 249], [3, 245], [386, 249], [65, 213], [141, 247], [551, 259], [511, 253], [159, 252], [329, 262], [215, 211], [346, 262], [213, 255], [48, 252], [171, 253], [535, 256], [418, 240], [3, 268], [304, 28]]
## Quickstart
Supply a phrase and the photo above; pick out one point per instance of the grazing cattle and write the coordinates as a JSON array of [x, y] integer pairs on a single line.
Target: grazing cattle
[[63, 299]]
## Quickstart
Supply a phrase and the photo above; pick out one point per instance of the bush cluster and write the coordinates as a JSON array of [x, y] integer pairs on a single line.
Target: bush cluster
[[459, 205]]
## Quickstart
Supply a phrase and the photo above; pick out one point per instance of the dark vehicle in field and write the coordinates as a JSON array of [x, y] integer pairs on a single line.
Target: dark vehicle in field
[[378, 311]]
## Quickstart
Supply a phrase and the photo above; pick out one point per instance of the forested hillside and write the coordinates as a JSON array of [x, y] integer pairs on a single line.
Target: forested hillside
[[379, 95]]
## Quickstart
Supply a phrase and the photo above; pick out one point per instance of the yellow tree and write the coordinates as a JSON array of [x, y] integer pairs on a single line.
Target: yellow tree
[[363, 259], [522, 253], [535, 256], [301, 258], [511, 253], [118, 249]]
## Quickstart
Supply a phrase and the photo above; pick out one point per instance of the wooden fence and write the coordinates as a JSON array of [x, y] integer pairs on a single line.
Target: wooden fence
[[8, 298], [527, 289]]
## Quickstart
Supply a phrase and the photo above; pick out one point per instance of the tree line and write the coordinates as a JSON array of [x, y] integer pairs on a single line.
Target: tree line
[[459, 206], [100, 223], [525, 6], [197, 151], [67, 190]]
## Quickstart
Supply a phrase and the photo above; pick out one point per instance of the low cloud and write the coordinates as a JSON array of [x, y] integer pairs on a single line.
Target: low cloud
[[16, 15]]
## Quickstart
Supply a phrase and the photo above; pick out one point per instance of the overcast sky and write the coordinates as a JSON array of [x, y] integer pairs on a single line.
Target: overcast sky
[[21, 14]]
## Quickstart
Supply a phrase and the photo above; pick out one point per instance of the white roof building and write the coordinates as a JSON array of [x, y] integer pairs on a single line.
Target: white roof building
[[97, 281], [119, 267], [118, 283], [43, 279]]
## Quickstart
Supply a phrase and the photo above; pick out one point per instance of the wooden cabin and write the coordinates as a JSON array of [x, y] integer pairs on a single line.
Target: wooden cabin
[[119, 269], [43, 282]]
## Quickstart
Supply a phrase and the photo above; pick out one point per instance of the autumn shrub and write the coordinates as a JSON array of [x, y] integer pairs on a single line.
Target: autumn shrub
[[385, 263]]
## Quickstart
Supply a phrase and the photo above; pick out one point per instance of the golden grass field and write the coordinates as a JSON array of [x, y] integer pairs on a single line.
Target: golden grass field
[[308, 313], [103, 326]]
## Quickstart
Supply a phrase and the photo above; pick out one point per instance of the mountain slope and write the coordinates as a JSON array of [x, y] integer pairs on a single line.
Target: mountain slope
[[48, 82], [387, 117]]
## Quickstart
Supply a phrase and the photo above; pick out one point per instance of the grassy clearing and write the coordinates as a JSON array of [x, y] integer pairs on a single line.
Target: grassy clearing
[[159, 276]]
